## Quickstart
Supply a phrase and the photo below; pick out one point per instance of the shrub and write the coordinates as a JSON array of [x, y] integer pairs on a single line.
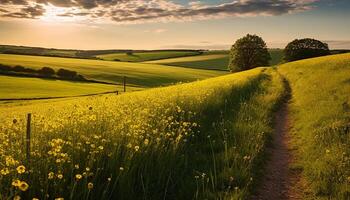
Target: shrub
[[68, 74], [248, 52], [46, 71], [5, 68], [305, 48]]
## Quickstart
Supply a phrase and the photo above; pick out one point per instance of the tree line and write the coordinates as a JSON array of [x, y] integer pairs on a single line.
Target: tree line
[[251, 51], [45, 72]]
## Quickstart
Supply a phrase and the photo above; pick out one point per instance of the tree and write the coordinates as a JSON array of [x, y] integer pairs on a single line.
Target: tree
[[248, 52], [305, 48], [46, 71]]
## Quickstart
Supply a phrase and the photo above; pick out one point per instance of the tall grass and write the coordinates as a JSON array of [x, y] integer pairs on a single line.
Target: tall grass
[[320, 108], [202, 140]]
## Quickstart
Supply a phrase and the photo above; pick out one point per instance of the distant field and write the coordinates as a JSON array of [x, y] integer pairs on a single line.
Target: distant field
[[20, 87], [216, 60], [211, 61], [146, 56], [138, 74]]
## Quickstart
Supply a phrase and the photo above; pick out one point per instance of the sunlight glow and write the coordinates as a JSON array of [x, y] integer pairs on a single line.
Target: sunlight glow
[[53, 14]]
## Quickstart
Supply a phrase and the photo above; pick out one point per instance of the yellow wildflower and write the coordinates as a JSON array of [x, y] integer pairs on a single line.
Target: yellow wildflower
[[21, 169], [137, 148], [4, 171], [78, 176], [17, 197], [51, 175], [60, 176], [16, 183], [90, 186], [23, 186]]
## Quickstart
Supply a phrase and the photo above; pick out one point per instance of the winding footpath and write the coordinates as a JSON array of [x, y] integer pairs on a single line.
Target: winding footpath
[[280, 181]]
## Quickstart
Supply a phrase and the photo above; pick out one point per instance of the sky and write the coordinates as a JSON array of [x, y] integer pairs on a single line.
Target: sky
[[169, 24]]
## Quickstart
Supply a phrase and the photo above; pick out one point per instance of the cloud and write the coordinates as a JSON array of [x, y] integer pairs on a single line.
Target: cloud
[[141, 11], [31, 12]]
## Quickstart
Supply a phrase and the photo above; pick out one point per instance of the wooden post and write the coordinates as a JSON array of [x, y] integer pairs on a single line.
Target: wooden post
[[29, 119], [124, 83]]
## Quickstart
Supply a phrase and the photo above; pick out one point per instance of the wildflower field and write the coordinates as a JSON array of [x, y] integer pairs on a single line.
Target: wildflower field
[[201, 140]]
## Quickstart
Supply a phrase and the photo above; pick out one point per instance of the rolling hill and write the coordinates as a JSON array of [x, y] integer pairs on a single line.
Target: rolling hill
[[138, 74]]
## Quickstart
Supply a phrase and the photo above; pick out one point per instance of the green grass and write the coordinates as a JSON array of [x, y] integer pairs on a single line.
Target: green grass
[[186, 141], [141, 75], [20, 87], [146, 56], [216, 60], [320, 116]]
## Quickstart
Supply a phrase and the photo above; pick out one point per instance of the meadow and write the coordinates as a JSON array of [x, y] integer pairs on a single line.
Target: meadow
[[186, 141], [138, 74], [12, 87], [153, 144], [320, 111]]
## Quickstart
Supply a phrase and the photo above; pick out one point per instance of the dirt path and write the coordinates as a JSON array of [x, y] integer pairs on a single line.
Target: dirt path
[[280, 181]]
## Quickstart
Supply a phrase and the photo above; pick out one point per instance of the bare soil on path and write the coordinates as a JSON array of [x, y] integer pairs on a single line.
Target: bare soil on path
[[280, 181]]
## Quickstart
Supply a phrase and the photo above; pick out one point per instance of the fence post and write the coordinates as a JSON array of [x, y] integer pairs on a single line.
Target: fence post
[[124, 83], [29, 119]]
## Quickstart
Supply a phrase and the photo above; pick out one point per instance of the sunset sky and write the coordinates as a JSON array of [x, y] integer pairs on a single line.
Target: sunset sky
[[160, 24]]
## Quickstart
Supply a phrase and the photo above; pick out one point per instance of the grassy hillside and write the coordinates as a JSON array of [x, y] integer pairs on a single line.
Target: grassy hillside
[[146, 56], [144, 75], [19, 88], [182, 142], [217, 60], [320, 108]]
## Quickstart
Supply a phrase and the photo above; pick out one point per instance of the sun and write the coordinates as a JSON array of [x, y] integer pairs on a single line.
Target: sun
[[57, 14]]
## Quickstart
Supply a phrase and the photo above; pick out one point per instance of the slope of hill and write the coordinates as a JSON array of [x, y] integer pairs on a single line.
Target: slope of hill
[[168, 142], [143, 75], [320, 112]]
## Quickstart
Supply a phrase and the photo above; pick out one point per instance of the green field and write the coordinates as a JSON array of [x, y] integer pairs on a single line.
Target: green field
[[216, 60], [138, 74], [146, 56], [20, 87], [320, 114]]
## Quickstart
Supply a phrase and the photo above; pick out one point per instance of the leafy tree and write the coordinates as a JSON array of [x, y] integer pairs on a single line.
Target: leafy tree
[[248, 52], [46, 71], [305, 48]]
